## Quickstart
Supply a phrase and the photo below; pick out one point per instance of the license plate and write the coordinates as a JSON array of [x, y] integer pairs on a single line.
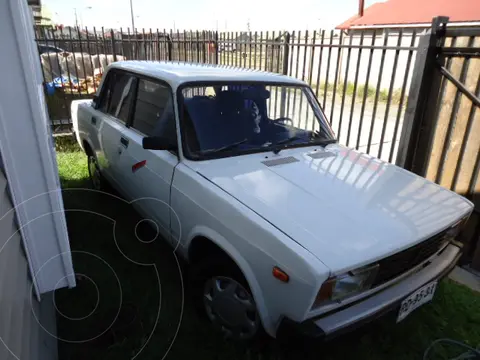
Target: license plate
[[417, 299]]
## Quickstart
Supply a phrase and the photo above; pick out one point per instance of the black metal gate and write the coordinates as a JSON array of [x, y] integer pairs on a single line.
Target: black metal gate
[[441, 133]]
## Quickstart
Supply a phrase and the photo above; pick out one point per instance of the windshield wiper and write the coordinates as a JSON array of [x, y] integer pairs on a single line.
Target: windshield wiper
[[224, 148], [276, 148], [323, 142]]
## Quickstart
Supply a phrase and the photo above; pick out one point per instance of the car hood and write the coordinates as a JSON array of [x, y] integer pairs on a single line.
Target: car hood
[[346, 208]]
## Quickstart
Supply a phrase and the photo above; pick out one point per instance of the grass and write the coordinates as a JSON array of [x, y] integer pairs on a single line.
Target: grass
[[146, 277], [360, 92]]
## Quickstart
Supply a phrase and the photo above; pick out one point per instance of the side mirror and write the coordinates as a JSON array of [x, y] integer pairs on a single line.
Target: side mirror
[[158, 143]]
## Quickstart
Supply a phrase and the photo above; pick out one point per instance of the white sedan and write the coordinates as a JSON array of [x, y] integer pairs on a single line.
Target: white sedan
[[285, 229]]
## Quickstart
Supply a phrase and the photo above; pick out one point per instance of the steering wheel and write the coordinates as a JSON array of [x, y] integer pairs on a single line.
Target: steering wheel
[[284, 120]]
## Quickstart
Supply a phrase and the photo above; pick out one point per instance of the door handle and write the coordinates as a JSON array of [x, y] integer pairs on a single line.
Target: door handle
[[124, 141], [94, 120]]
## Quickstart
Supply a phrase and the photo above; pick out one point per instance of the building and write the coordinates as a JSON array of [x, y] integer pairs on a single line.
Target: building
[[413, 14], [41, 15]]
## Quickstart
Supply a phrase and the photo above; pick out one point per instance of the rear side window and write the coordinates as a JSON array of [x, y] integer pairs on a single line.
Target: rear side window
[[154, 115], [116, 98]]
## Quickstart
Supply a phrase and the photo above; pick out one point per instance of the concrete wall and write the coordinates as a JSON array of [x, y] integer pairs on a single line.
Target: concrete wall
[[27, 327]]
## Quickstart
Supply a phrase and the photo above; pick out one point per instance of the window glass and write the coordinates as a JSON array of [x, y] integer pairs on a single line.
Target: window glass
[[121, 90], [106, 92], [154, 115], [250, 117]]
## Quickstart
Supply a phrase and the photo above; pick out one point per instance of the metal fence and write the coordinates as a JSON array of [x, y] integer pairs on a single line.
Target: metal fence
[[361, 78], [441, 139]]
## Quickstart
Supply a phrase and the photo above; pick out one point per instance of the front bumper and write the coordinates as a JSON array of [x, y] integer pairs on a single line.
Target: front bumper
[[368, 309]]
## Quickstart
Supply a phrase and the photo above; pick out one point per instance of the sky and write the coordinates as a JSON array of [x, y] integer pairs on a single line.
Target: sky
[[206, 14]]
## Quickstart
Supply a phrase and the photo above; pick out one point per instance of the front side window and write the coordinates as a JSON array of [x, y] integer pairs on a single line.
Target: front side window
[[230, 119], [116, 98], [154, 115]]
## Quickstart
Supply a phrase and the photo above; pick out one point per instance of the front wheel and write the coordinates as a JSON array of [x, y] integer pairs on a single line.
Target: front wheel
[[223, 295]]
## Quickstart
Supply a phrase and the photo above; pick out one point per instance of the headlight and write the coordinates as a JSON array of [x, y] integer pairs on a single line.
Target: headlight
[[340, 287]]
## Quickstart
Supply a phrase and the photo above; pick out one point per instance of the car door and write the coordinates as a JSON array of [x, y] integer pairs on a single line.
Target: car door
[[149, 173], [110, 118]]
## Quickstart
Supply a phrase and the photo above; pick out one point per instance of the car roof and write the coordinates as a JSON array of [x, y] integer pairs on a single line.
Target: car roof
[[177, 73]]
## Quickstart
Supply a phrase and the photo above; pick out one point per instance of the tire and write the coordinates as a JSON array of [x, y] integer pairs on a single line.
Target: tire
[[222, 296], [96, 179]]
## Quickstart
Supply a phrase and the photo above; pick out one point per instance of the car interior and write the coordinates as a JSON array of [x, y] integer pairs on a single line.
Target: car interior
[[234, 114]]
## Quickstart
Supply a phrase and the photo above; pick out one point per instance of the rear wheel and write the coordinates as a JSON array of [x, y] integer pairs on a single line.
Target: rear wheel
[[223, 295], [94, 173]]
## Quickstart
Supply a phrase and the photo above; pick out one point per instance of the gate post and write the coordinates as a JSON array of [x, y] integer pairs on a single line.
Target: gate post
[[419, 118]]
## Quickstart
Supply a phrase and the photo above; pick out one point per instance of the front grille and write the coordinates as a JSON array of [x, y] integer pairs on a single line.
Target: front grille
[[396, 264]]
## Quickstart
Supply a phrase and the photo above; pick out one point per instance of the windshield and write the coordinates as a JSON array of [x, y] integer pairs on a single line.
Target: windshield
[[227, 119]]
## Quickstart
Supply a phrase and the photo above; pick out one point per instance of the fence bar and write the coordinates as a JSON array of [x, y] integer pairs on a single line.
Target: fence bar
[[327, 75], [204, 58], [290, 70], [273, 50], [144, 41], [365, 91], [65, 103], [377, 93], [337, 70], [74, 61], [320, 64], [250, 50], [83, 57], [421, 107], [460, 52], [236, 49], [312, 57], [389, 98], [345, 83], [261, 43], [255, 52], [354, 95], [402, 97], [464, 31], [266, 52], [296, 71], [121, 43], [91, 62], [114, 52], [468, 131], [460, 86], [453, 115], [303, 78], [277, 71]]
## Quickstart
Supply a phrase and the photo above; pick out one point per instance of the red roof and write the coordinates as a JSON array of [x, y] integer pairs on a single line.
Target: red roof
[[398, 12]]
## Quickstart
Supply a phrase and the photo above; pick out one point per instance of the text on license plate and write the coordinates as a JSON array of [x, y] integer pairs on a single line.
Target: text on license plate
[[417, 299]]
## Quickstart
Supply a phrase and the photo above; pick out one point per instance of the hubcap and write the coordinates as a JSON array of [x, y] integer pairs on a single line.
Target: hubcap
[[94, 173], [231, 308]]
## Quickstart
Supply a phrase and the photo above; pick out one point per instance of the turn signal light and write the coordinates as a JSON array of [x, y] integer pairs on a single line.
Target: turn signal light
[[280, 274]]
